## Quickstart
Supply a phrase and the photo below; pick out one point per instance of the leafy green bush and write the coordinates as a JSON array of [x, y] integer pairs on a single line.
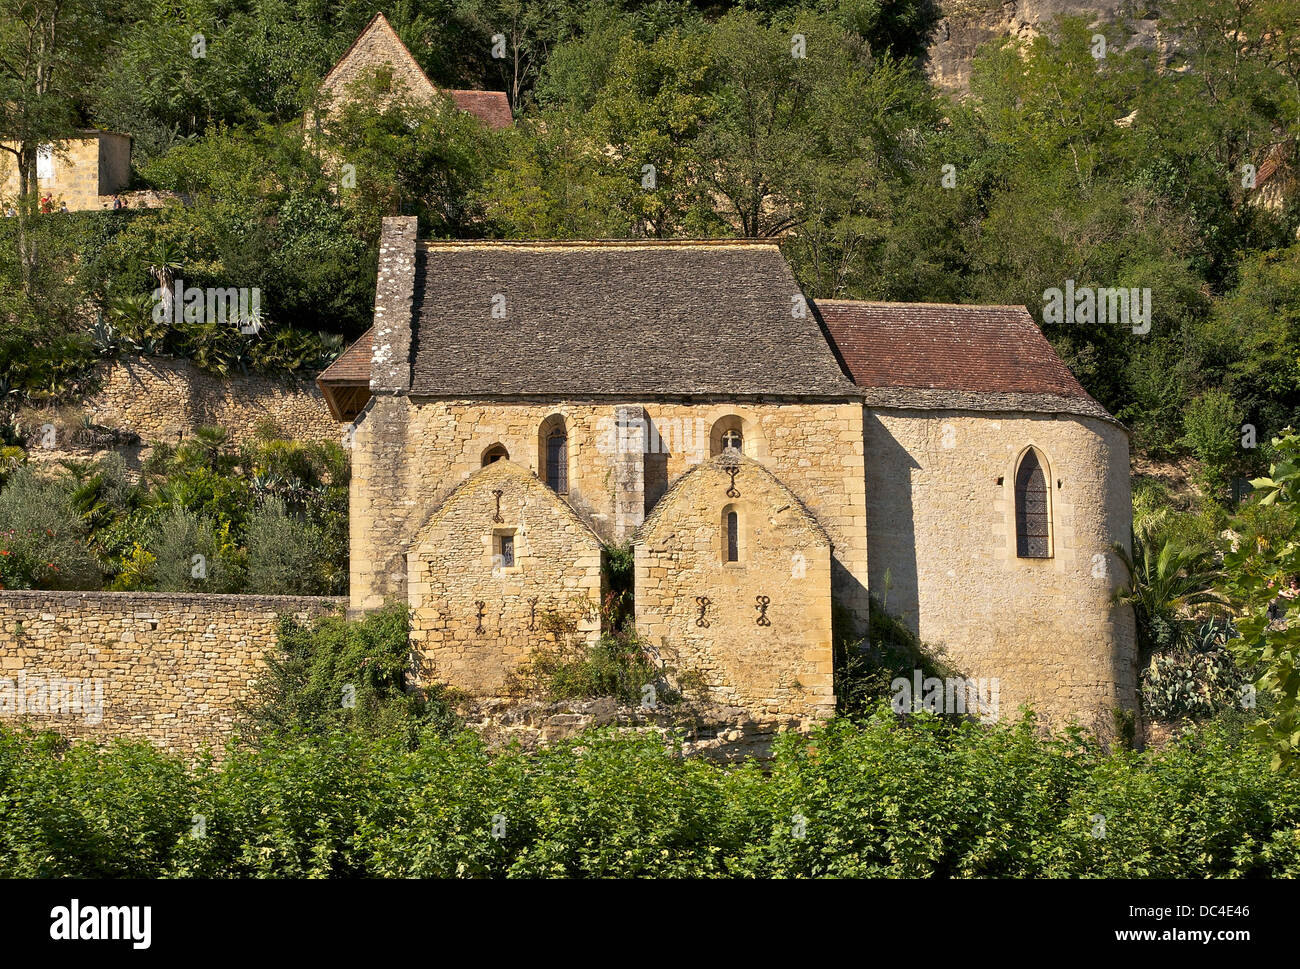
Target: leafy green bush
[[282, 552], [332, 672], [877, 798], [42, 537], [618, 664], [192, 555], [1212, 423], [271, 517]]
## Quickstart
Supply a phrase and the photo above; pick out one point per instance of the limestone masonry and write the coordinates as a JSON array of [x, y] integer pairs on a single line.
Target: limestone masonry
[[152, 666], [518, 405], [84, 172]]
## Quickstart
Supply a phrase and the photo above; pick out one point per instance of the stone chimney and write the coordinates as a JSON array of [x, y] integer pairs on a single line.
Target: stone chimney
[[390, 363]]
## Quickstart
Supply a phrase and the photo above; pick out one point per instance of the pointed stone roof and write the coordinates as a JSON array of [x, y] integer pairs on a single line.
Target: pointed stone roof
[[378, 44], [482, 479], [696, 475]]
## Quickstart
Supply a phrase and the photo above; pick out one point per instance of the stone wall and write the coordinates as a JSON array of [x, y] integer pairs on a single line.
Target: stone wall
[[409, 453], [160, 398], [377, 52], [705, 614], [940, 503], [85, 171], [477, 615], [160, 667]]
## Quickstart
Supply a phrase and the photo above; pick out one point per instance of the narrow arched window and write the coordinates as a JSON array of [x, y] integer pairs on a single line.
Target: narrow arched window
[[553, 453], [733, 537], [496, 452], [557, 460], [1033, 521]]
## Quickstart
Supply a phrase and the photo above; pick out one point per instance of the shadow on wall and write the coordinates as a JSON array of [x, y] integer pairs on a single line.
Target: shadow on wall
[[891, 525]]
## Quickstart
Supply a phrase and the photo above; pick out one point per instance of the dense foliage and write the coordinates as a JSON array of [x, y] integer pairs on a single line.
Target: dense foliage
[[270, 517], [1262, 576], [673, 119], [882, 798], [333, 673]]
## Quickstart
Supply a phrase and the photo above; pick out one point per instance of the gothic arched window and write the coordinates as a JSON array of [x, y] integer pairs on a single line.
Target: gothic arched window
[[554, 454], [1033, 517]]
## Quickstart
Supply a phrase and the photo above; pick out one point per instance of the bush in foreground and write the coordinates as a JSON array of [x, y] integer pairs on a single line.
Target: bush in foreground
[[877, 799]]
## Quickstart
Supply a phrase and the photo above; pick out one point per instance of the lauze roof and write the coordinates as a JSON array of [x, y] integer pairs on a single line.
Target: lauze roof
[[634, 319], [620, 318]]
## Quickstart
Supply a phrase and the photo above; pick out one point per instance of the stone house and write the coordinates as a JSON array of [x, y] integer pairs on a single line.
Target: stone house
[[517, 405], [81, 172], [380, 51]]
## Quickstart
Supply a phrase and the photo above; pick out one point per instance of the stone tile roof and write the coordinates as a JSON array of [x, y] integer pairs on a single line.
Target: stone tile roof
[[630, 318], [943, 356]]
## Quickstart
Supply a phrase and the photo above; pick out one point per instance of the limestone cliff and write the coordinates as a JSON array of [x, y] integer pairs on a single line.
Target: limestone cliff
[[964, 25]]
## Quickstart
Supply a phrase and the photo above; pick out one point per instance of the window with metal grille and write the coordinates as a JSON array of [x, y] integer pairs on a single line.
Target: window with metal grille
[[733, 537], [1033, 538], [557, 461]]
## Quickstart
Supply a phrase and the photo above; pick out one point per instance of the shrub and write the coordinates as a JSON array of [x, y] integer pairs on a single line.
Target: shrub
[[618, 664], [335, 673], [884, 797], [1212, 424], [283, 552], [42, 538], [192, 555]]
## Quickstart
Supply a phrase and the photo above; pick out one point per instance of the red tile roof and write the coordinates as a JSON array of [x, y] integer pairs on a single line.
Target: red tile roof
[[490, 107], [964, 350], [352, 366]]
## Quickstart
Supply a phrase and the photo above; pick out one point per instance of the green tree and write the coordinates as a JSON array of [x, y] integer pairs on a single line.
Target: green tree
[[1255, 572]]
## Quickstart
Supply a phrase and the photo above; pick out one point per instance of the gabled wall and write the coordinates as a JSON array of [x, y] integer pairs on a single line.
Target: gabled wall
[[707, 615], [475, 616]]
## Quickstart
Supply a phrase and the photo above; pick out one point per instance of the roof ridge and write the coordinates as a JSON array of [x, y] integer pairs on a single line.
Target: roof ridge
[[598, 243], [963, 306]]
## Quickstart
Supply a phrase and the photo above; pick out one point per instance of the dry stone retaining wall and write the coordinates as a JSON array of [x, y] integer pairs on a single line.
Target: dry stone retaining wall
[[154, 666], [160, 399]]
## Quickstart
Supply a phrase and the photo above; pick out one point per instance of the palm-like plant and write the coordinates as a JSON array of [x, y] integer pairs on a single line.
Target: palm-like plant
[[164, 263], [1168, 584]]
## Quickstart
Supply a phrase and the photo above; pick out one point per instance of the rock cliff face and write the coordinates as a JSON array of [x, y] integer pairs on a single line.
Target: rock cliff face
[[965, 25]]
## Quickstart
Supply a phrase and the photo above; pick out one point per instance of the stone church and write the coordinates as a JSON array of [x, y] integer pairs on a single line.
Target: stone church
[[519, 407]]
